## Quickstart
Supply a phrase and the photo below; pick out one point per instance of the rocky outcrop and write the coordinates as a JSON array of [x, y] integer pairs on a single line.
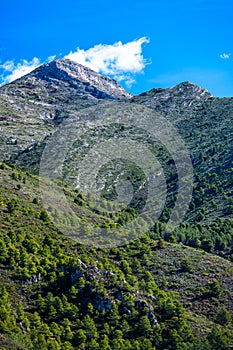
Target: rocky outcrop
[[102, 304], [142, 305]]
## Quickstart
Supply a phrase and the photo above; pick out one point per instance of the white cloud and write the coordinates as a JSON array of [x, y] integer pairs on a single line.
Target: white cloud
[[225, 56], [119, 60], [12, 71]]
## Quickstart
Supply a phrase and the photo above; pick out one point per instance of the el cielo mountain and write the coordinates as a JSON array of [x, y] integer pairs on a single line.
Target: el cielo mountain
[[159, 290]]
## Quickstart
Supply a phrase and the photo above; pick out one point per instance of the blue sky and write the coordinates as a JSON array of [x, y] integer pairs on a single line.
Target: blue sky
[[143, 44]]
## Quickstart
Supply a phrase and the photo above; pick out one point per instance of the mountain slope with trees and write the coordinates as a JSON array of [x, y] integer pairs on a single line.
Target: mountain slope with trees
[[58, 294], [163, 290]]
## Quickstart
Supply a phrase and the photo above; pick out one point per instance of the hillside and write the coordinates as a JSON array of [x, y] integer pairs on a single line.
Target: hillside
[[57, 294]]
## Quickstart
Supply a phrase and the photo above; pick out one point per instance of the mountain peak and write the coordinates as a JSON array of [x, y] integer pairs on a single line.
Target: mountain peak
[[74, 73], [189, 88], [185, 97]]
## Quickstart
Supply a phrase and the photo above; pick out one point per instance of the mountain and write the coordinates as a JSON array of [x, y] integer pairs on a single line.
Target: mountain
[[36, 105], [161, 290]]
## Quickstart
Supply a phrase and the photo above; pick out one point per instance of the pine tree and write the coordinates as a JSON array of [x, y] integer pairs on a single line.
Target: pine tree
[[223, 316], [144, 326]]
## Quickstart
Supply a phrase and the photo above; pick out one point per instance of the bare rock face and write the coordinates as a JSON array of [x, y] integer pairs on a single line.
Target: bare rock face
[[67, 70], [102, 304]]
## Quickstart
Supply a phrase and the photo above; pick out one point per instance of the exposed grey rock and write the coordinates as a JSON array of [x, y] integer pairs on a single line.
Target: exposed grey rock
[[75, 276], [141, 305], [151, 297], [74, 73], [126, 310], [102, 304], [33, 279], [82, 263], [153, 319]]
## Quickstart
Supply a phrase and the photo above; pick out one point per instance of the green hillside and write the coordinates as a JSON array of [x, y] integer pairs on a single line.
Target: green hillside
[[150, 294]]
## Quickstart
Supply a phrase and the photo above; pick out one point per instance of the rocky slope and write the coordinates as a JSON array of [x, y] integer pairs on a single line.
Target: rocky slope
[[203, 122], [53, 91], [184, 97]]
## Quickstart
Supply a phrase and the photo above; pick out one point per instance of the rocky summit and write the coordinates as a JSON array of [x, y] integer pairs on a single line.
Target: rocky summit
[[183, 98]]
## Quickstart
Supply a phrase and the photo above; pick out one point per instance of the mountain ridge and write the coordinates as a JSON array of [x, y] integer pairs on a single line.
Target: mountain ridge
[[67, 70]]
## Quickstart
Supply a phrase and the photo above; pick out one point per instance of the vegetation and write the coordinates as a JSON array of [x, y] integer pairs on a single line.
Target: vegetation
[[149, 294]]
